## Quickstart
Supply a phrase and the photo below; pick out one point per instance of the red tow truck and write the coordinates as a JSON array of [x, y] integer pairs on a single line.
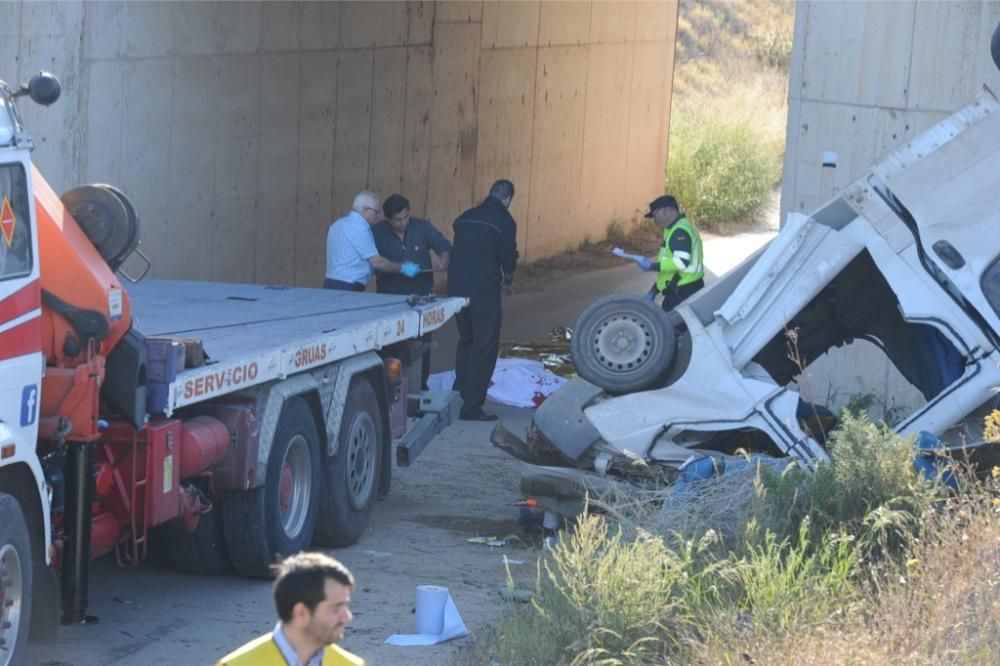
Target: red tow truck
[[225, 423]]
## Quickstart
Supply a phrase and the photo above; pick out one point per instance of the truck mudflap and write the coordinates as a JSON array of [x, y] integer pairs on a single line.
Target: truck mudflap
[[434, 411]]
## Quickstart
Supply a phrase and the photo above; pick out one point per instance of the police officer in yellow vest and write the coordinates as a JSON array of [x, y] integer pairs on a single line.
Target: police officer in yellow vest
[[680, 262], [311, 593]]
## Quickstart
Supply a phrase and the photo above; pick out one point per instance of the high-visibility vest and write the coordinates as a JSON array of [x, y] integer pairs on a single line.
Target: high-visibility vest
[[688, 269], [264, 651]]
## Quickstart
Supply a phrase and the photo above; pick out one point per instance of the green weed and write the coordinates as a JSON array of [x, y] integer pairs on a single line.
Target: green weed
[[719, 167], [814, 548]]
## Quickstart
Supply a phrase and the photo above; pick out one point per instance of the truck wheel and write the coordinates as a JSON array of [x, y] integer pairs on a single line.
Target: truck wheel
[[202, 551], [278, 518], [350, 478], [15, 580], [623, 344]]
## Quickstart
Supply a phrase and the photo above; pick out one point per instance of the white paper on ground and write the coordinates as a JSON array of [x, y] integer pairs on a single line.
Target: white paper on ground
[[517, 382], [453, 625]]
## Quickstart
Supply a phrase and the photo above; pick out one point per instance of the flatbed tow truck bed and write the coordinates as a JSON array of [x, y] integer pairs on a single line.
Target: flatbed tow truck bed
[[252, 334]]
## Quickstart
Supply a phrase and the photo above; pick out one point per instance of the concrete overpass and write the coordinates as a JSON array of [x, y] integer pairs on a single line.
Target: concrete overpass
[[240, 129]]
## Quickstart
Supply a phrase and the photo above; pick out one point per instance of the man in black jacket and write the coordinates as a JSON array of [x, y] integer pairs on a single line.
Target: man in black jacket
[[483, 260]]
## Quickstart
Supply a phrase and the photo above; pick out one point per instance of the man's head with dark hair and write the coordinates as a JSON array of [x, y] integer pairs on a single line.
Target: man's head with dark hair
[[395, 204], [397, 212], [503, 190], [311, 593]]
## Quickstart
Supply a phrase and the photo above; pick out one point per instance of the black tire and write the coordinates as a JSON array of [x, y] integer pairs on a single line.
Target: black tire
[[351, 477], [200, 552], [995, 46], [623, 344], [16, 571], [278, 518]]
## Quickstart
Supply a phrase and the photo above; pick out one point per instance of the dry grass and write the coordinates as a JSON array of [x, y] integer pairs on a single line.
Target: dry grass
[[850, 581], [940, 607], [729, 108]]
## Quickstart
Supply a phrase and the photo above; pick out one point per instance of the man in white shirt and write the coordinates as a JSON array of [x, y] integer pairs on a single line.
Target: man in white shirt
[[351, 255]]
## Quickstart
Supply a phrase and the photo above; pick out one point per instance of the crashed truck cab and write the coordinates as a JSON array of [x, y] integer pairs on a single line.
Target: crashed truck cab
[[904, 261]]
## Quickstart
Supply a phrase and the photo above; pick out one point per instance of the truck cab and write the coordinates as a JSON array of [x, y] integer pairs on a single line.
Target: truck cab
[[25, 529]]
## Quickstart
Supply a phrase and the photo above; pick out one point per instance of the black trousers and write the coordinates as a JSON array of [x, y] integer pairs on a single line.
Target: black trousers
[[478, 345], [674, 296], [343, 286]]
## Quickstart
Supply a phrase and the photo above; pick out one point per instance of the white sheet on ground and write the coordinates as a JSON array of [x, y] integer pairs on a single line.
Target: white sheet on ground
[[518, 382]]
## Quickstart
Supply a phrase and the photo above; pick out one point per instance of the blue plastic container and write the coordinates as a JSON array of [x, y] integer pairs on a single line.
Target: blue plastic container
[[930, 461]]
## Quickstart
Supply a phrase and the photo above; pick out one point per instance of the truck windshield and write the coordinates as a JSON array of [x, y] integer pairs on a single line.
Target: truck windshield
[[15, 232]]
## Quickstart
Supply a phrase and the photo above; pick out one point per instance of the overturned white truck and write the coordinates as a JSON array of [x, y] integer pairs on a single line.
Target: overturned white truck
[[907, 257]]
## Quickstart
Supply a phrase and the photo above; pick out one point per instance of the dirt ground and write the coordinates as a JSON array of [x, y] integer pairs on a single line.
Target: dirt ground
[[638, 237], [461, 487]]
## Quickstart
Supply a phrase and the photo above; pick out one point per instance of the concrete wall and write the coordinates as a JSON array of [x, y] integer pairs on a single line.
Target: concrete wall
[[868, 76], [865, 78], [240, 129]]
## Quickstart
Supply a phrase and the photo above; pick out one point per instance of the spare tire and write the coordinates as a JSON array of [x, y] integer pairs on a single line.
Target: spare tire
[[623, 344], [132, 240], [107, 219], [995, 46]]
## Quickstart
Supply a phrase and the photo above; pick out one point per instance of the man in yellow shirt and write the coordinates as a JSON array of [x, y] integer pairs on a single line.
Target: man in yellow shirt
[[311, 594], [680, 262]]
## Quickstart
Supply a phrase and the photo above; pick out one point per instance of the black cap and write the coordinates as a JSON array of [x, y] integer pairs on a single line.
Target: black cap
[[665, 201]]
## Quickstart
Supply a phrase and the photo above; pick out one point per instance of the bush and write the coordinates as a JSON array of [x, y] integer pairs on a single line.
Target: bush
[[814, 548], [605, 599], [729, 110], [772, 48], [720, 169], [869, 490], [937, 607]]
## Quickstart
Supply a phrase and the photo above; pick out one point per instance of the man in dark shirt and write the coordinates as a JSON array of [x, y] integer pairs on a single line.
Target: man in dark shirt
[[485, 242], [402, 239]]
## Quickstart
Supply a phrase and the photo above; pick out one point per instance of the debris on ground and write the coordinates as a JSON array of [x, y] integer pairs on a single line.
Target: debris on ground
[[490, 541], [519, 596], [552, 351]]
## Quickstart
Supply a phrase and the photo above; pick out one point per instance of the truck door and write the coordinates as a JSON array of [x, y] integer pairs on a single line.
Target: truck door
[[943, 186], [20, 299]]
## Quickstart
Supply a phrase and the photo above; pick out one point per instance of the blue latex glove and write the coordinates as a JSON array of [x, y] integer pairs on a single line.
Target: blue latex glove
[[645, 264], [410, 269], [650, 296]]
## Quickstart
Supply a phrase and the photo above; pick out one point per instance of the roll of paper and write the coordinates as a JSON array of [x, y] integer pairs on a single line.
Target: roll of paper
[[430, 609]]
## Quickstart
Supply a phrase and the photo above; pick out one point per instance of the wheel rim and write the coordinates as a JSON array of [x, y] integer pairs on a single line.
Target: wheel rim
[[11, 591], [623, 342], [294, 489], [361, 460]]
